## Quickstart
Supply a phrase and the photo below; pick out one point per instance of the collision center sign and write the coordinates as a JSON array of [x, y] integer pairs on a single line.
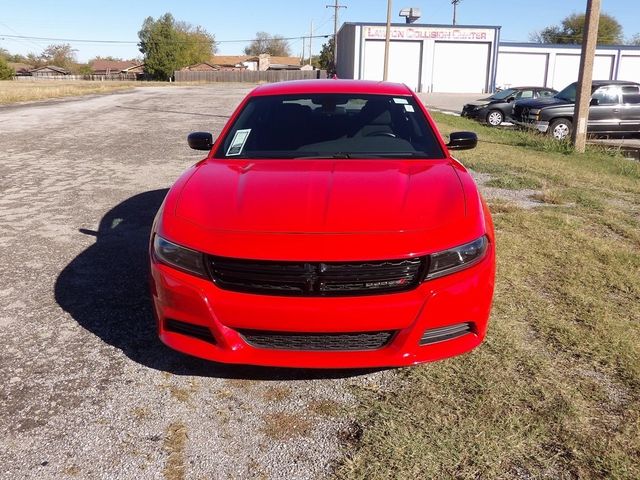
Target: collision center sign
[[426, 33]]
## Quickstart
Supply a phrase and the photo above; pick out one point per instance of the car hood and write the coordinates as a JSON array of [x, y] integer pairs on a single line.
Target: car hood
[[483, 101], [322, 196], [543, 102]]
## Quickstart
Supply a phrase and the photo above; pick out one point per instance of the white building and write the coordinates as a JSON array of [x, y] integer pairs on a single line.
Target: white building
[[469, 58], [428, 58], [557, 66]]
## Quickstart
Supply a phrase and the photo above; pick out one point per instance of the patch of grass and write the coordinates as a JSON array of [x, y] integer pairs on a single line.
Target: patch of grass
[[276, 394], [22, 91], [514, 182], [174, 445], [325, 408], [284, 425], [554, 392]]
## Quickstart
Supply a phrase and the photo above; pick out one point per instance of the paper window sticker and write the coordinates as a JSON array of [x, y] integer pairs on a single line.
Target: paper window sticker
[[237, 144], [402, 101], [409, 108]]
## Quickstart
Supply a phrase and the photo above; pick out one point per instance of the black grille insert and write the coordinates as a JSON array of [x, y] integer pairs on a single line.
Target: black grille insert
[[317, 341], [197, 331], [441, 334], [316, 278]]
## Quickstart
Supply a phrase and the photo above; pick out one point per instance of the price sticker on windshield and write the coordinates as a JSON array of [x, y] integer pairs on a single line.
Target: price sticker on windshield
[[237, 144]]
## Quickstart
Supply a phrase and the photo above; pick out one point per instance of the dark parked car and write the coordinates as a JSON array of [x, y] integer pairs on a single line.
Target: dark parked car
[[496, 108], [615, 109]]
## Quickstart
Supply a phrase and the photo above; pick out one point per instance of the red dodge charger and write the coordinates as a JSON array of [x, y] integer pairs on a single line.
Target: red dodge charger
[[327, 227]]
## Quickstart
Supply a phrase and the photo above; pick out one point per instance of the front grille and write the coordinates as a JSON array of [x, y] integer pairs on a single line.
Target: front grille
[[317, 341], [316, 278], [197, 331], [441, 334]]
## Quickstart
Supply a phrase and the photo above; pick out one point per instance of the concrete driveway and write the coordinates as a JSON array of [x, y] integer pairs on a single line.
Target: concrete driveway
[[88, 391]]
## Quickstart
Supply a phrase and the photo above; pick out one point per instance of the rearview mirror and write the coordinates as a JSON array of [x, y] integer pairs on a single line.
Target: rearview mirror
[[200, 140], [462, 141]]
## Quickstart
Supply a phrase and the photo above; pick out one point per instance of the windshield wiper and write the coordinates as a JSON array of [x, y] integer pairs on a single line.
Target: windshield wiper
[[327, 155]]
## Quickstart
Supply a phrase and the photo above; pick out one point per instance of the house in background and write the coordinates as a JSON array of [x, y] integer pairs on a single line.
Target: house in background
[[128, 68], [49, 71], [261, 63], [21, 69]]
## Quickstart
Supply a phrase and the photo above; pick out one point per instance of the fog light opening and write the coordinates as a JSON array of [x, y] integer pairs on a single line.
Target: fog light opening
[[441, 334]]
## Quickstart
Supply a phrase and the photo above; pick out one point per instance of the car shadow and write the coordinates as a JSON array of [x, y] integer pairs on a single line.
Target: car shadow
[[106, 290]]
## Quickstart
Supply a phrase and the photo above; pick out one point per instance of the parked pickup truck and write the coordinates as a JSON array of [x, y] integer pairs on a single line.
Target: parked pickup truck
[[614, 109]]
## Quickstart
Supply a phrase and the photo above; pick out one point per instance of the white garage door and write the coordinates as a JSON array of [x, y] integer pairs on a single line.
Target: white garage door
[[460, 67], [629, 68], [567, 67], [521, 69], [405, 61]]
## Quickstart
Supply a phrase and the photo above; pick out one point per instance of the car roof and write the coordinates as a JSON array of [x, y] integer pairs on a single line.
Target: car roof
[[613, 82], [332, 86], [529, 88]]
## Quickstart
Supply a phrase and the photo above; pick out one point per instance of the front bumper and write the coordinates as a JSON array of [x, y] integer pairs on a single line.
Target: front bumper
[[462, 297], [473, 113], [539, 125]]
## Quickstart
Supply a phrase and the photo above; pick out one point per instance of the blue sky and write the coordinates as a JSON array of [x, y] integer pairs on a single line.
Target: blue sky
[[236, 20]]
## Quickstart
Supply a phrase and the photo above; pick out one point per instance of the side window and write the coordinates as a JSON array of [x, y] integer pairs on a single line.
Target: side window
[[606, 96], [631, 94], [524, 94], [545, 93]]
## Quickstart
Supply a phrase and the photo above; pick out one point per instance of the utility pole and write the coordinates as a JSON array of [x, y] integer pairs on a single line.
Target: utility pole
[[455, 6], [386, 42], [310, 40], [335, 7], [583, 97]]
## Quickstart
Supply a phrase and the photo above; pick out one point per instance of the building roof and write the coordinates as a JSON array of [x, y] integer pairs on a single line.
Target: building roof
[[52, 67], [113, 65], [332, 86], [230, 59]]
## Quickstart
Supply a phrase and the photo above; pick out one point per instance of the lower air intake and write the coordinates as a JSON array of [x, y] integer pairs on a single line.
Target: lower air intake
[[441, 334], [189, 329], [317, 341]]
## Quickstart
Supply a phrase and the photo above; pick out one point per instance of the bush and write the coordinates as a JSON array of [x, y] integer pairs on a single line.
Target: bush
[[6, 72]]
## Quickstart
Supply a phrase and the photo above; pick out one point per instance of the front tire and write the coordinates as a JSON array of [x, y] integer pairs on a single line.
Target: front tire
[[560, 129], [495, 118]]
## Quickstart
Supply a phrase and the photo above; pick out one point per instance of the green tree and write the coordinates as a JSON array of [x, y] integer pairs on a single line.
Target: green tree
[[571, 30], [325, 59], [274, 45], [168, 45], [6, 72], [60, 55]]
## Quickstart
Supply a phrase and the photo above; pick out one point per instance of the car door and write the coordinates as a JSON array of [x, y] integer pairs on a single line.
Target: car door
[[630, 109], [604, 111]]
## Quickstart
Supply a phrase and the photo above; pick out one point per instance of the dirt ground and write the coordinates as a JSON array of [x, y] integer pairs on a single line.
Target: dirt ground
[[87, 390]]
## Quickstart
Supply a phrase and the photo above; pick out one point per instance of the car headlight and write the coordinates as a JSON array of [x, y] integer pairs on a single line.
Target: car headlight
[[480, 107], [457, 258], [179, 257]]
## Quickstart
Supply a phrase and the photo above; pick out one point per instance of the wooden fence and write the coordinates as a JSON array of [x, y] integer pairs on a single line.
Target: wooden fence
[[249, 76]]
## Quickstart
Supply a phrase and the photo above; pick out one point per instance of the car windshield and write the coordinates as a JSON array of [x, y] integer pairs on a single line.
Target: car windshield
[[330, 126], [568, 94], [504, 94]]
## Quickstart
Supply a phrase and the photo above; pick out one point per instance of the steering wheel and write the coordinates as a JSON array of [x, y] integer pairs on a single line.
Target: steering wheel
[[381, 134]]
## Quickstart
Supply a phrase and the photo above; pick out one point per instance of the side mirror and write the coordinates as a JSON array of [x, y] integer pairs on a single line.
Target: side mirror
[[594, 101], [200, 140], [462, 141], [510, 99]]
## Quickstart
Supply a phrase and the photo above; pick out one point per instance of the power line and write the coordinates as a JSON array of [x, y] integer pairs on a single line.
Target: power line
[[132, 42]]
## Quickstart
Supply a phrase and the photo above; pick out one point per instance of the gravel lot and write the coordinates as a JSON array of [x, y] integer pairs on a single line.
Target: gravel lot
[[88, 391]]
